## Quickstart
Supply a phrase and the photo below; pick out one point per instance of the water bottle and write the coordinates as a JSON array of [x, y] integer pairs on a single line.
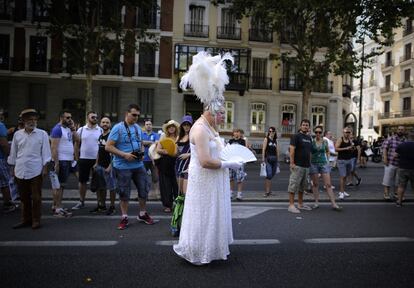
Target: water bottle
[[54, 180]]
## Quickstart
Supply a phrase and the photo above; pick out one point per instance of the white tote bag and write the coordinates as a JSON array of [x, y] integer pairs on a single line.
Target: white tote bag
[[369, 152], [263, 170]]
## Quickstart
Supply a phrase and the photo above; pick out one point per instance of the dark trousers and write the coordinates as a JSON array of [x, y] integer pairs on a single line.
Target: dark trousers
[[31, 198], [168, 189]]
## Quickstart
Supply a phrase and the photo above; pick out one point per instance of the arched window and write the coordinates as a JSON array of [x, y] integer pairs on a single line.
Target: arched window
[[257, 117], [228, 117], [318, 116]]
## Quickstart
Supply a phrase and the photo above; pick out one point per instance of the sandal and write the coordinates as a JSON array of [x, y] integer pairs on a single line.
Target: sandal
[[167, 210]]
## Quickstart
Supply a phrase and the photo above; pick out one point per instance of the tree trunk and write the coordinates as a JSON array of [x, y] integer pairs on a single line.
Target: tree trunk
[[88, 92], [306, 93]]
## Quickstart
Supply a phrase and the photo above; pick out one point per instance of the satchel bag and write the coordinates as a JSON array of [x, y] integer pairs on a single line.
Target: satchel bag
[[263, 170]]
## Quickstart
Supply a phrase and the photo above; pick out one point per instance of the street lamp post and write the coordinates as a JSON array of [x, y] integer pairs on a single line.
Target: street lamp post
[[361, 87]]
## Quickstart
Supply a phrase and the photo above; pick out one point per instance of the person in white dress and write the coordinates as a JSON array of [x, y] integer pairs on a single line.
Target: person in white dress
[[206, 227]]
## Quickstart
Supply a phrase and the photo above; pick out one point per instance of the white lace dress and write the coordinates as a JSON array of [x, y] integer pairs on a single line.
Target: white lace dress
[[206, 228]]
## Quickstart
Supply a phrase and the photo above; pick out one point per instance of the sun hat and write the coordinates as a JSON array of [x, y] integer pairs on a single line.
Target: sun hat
[[28, 112], [187, 118], [170, 123]]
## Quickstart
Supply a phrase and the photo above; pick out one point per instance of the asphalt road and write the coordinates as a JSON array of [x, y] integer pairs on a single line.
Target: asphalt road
[[365, 245]]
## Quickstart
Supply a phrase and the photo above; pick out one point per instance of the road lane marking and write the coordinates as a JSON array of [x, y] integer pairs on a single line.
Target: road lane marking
[[358, 240], [235, 242], [56, 243]]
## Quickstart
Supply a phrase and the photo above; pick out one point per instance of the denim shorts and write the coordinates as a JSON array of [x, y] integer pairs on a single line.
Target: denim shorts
[[344, 167], [109, 178], [405, 175], [319, 169], [65, 167], [138, 176], [238, 175]]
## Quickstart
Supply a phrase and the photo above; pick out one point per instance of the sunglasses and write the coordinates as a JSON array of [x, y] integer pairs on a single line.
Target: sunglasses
[[347, 132], [94, 117], [68, 117], [318, 132], [134, 115], [271, 131]]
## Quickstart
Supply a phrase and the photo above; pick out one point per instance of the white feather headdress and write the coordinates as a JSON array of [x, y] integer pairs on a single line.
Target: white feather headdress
[[207, 76]]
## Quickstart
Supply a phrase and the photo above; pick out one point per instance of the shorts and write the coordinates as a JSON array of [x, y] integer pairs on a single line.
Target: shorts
[[344, 167], [138, 176], [298, 180], [4, 173], [405, 175], [319, 169], [271, 167], [85, 167], [65, 167], [237, 175], [354, 164], [109, 178], [390, 176]]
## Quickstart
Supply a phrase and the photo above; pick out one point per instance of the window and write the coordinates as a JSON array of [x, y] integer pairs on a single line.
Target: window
[[74, 56], [38, 53], [4, 52], [370, 101], [371, 122], [109, 102], [260, 31], [5, 98], [110, 62], [387, 106], [318, 116], [257, 117], [290, 80], [406, 104], [388, 83], [146, 67], [288, 117], [38, 98], [259, 79], [110, 11], [407, 74], [5, 9], [40, 10], [388, 59], [407, 52], [148, 17], [146, 102], [228, 117], [197, 17]]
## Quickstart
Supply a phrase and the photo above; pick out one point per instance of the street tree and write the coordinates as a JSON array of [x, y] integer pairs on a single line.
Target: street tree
[[93, 34], [320, 33]]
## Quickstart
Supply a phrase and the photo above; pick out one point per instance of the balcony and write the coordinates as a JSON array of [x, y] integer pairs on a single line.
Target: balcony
[[260, 35], [192, 30], [288, 129], [406, 57], [386, 89], [399, 114], [290, 84], [261, 83], [387, 64], [5, 63], [38, 66], [405, 85], [110, 68], [147, 70], [227, 32], [238, 82], [323, 86]]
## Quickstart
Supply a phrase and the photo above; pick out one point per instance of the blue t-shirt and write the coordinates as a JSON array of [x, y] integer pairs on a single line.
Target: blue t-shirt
[[3, 133], [122, 142], [149, 137]]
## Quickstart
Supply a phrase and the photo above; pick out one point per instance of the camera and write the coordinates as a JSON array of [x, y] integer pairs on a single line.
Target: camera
[[138, 154]]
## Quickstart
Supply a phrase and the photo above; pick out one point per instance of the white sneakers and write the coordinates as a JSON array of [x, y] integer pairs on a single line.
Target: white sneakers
[[342, 195], [293, 209]]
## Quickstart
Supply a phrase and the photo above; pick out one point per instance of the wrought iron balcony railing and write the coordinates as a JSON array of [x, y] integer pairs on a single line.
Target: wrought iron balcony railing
[[192, 30], [290, 84], [261, 35], [228, 32], [405, 85], [261, 83], [397, 114]]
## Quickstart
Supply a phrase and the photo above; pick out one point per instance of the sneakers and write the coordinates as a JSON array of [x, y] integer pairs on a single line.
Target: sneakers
[[62, 213], [146, 219], [315, 206], [350, 184], [123, 224], [8, 207], [358, 181], [79, 205], [111, 211], [337, 208], [305, 207], [341, 195], [239, 196], [398, 204], [346, 194], [293, 209], [98, 209]]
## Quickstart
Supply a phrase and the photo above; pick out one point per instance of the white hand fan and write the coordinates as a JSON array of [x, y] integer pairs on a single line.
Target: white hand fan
[[237, 152]]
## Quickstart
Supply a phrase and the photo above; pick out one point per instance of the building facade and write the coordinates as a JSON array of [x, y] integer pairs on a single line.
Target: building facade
[[261, 92]]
